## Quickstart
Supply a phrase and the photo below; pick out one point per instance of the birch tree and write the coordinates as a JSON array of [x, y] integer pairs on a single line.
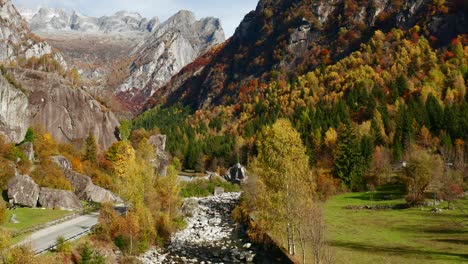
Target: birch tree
[[284, 180]]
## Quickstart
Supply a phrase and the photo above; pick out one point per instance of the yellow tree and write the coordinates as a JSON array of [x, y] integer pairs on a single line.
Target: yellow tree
[[283, 181]]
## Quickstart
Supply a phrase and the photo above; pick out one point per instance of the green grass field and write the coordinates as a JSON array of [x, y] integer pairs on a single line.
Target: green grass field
[[396, 235], [31, 217]]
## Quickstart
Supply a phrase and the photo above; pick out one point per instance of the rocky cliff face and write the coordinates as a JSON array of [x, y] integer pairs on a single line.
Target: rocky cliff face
[[67, 113], [174, 44], [28, 97], [16, 40], [294, 37], [14, 112]]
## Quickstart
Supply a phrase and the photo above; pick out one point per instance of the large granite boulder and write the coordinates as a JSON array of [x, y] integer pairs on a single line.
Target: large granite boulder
[[22, 190], [83, 185], [64, 200], [236, 174]]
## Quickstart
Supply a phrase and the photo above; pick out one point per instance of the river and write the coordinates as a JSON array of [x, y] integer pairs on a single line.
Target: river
[[211, 236]]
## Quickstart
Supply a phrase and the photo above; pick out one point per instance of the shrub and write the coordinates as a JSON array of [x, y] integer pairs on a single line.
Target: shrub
[[202, 188], [62, 245], [3, 211], [90, 256]]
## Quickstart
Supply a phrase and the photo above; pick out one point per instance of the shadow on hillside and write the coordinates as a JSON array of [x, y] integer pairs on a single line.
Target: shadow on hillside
[[454, 241], [399, 250]]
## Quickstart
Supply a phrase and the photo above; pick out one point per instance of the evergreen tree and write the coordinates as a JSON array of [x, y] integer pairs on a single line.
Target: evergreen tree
[[29, 136], [435, 113], [348, 162], [90, 148], [125, 129], [193, 156]]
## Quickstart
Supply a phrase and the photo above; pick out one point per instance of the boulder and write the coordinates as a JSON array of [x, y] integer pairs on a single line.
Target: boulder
[[218, 191], [86, 190], [22, 190], [63, 162], [65, 200], [189, 207], [84, 187], [13, 219], [236, 174]]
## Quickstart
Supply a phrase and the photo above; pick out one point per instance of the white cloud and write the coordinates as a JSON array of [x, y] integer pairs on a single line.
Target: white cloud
[[230, 12]]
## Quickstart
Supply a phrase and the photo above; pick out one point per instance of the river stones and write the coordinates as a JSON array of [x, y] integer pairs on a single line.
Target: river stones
[[210, 236]]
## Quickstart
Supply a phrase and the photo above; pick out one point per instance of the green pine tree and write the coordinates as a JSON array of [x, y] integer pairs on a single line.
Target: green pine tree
[[90, 149]]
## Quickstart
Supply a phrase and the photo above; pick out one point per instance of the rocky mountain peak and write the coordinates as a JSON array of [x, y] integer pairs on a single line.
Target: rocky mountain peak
[[174, 44]]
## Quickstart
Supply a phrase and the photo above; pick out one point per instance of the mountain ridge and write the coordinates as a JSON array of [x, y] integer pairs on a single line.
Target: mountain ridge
[[47, 19]]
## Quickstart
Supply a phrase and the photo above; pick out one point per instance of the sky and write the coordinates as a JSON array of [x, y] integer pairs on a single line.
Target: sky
[[231, 13]]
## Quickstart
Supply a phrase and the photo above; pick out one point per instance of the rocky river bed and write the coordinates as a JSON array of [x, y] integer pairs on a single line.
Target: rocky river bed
[[211, 235]]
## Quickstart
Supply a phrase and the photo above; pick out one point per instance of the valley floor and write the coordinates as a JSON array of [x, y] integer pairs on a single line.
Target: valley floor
[[414, 235]]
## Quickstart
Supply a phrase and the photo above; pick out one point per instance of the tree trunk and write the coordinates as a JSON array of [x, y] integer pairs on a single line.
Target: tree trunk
[[301, 239]]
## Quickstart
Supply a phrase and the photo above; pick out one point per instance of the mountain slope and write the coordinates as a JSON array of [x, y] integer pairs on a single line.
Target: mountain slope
[[293, 37], [398, 79]]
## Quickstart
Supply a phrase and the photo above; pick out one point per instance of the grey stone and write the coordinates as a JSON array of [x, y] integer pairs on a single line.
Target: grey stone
[[236, 174], [13, 219], [161, 163], [28, 149], [158, 142], [189, 207], [249, 257], [64, 200], [218, 191], [84, 187], [22, 190]]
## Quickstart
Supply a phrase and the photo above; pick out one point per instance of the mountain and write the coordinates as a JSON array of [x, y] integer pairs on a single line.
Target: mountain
[[173, 44], [294, 37], [127, 54], [392, 72], [50, 19], [36, 88]]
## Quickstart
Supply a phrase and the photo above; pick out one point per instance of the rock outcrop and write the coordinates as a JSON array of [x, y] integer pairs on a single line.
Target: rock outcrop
[[16, 40], [14, 112], [60, 199], [161, 163], [84, 187], [23, 191], [236, 174]]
